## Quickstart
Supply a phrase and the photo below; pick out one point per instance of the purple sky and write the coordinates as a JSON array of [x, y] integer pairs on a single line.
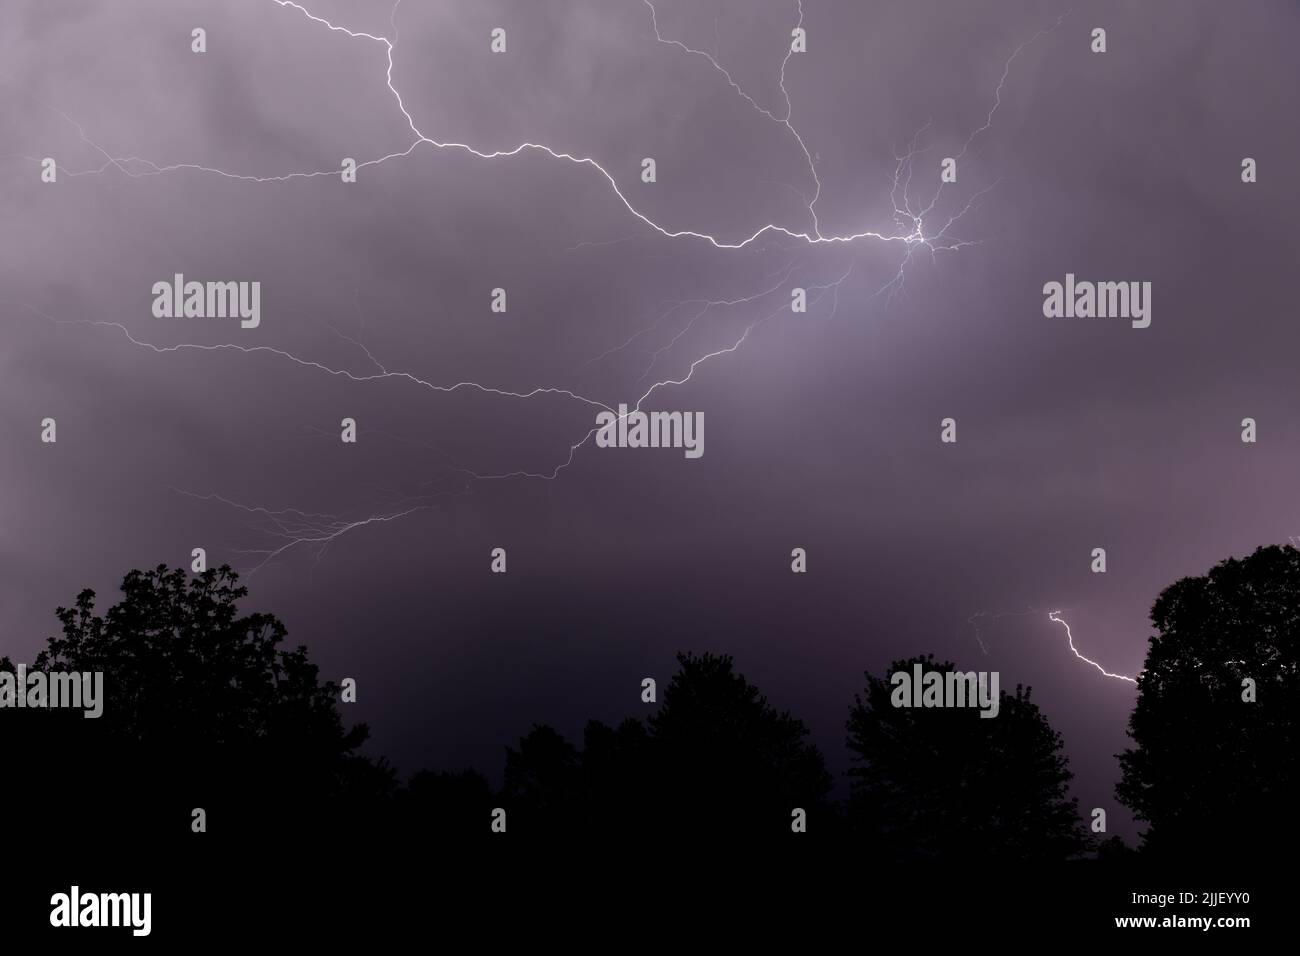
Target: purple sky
[[822, 428]]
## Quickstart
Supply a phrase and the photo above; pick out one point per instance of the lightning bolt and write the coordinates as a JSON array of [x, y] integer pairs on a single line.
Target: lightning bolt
[[976, 621], [1056, 617]]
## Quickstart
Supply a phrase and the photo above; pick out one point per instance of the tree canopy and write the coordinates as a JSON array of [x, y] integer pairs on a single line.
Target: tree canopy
[[946, 783], [1210, 771], [716, 760], [203, 709]]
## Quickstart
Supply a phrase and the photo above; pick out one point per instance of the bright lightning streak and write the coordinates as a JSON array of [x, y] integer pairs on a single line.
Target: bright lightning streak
[[976, 621], [1056, 616]]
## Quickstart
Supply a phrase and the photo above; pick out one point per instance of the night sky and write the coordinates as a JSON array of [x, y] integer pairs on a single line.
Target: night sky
[[822, 428]]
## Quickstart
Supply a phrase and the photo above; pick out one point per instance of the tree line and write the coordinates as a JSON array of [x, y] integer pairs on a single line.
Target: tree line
[[207, 708]]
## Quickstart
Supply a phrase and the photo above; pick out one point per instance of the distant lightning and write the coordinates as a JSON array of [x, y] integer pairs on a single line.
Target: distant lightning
[[314, 532], [708, 304], [833, 287], [383, 372], [976, 621], [301, 529], [997, 97]]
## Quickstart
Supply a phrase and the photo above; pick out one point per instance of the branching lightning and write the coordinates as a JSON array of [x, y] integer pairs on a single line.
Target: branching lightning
[[383, 372], [780, 120], [913, 235], [312, 531]]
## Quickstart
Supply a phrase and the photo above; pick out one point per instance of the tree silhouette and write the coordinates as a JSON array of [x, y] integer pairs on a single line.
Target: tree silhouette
[[607, 787], [716, 760], [616, 777], [726, 760], [543, 782], [1212, 773], [203, 709], [944, 782]]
